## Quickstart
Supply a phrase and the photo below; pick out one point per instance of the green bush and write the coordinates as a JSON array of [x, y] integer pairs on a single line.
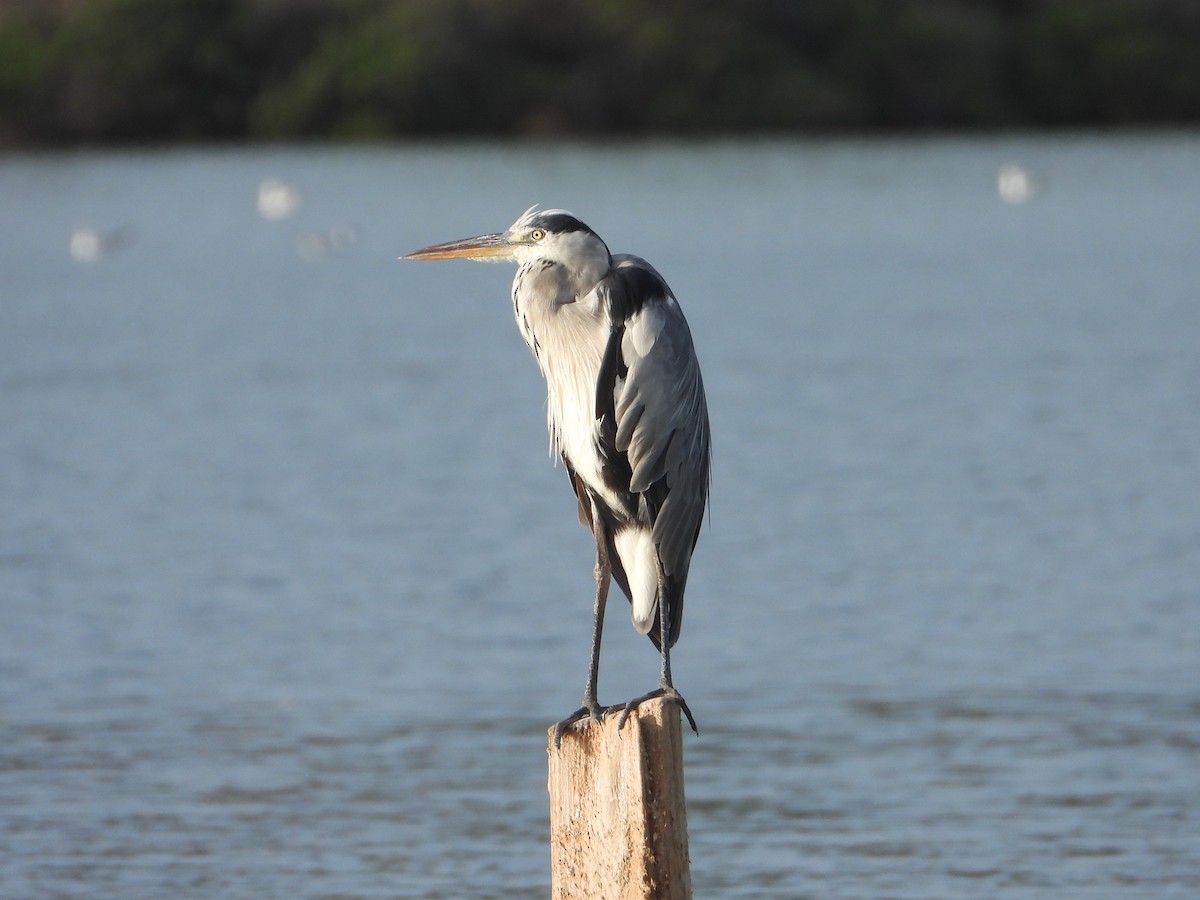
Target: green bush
[[140, 70]]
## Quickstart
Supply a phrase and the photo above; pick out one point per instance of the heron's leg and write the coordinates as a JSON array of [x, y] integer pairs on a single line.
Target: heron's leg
[[603, 582], [590, 706], [664, 632], [665, 687]]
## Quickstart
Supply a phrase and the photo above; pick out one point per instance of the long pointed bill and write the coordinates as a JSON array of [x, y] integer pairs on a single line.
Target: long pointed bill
[[486, 246]]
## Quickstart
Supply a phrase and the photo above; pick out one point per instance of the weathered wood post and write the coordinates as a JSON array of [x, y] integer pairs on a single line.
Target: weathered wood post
[[618, 824]]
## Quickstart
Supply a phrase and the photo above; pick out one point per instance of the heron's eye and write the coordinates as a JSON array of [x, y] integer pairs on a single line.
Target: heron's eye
[[537, 234]]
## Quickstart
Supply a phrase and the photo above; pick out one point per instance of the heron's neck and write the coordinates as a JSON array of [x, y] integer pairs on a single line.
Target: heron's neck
[[584, 278]]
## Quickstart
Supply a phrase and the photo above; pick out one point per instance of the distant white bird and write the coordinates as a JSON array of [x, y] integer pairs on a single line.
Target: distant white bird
[[277, 200], [626, 412]]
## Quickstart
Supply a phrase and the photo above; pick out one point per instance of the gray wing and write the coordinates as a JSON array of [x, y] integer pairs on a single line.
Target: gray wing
[[660, 413]]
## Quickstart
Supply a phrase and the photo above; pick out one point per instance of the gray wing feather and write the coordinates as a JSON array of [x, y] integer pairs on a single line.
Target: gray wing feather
[[662, 423]]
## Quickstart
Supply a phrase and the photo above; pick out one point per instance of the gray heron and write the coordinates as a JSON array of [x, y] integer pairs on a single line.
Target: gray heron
[[626, 413]]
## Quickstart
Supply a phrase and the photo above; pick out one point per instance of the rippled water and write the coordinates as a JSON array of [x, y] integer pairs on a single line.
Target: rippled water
[[290, 588]]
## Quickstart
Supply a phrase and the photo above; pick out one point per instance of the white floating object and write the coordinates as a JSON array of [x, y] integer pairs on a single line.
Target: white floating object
[[86, 245], [342, 236], [312, 246], [1016, 184], [277, 200]]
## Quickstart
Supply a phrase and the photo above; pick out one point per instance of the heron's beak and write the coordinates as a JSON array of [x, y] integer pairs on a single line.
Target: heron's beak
[[486, 246]]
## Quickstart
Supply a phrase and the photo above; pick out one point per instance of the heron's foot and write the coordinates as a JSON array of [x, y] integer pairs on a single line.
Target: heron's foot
[[589, 708], [664, 691]]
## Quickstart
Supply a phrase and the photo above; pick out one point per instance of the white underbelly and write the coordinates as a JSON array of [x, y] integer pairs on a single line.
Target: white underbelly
[[573, 430], [571, 407]]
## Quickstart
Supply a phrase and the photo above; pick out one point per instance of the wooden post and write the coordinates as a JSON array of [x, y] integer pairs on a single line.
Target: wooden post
[[618, 825]]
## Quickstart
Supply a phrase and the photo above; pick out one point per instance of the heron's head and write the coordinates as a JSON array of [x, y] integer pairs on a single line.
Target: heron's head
[[550, 234]]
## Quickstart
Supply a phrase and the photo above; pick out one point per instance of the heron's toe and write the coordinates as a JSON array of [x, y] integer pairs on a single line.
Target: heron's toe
[[666, 692], [591, 710]]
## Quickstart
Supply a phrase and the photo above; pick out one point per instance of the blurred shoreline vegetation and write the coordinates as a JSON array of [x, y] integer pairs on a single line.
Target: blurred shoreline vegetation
[[129, 71]]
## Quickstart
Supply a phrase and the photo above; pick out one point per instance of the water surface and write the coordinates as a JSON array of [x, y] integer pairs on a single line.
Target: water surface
[[291, 588]]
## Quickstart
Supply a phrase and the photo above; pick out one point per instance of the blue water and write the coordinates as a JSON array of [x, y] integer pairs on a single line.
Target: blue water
[[291, 587]]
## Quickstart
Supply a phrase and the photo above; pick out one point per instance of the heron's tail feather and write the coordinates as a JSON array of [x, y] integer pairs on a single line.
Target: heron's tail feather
[[635, 547]]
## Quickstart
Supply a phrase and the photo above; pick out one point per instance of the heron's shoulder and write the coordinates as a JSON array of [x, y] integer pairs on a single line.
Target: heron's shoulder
[[634, 268], [633, 285]]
